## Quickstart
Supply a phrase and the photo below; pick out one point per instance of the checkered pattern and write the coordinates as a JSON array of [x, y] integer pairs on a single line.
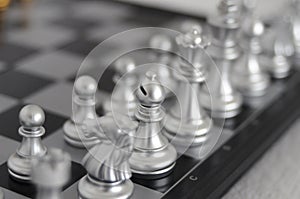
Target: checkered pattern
[[38, 64]]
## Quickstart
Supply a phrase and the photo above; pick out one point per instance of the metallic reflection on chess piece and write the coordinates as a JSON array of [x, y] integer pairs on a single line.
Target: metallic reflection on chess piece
[[50, 173], [188, 113], [122, 99], [83, 109], [32, 118], [224, 50], [153, 155], [249, 76], [107, 162]]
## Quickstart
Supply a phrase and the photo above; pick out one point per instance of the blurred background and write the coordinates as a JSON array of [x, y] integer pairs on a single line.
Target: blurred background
[[265, 8]]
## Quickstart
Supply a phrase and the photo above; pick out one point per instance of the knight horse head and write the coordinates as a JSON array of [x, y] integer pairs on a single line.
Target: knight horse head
[[108, 160]]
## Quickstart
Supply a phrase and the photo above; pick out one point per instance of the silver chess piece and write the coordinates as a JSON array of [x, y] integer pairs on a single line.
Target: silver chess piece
[[188, 25], [294, 17], [107, 162], [122, 99], [50, 173], [249, 76], [83, 110], [161, 48], [224, 50], [282, 50], [31, 118], [152, 154], [193, 120]]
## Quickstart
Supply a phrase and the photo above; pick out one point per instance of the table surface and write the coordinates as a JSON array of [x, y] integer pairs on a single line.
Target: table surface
[[276, 174]]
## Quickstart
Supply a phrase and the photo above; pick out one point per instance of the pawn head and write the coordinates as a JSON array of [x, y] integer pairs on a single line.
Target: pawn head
[[85, 86], [31, 116], [161, 42], [124, 65]]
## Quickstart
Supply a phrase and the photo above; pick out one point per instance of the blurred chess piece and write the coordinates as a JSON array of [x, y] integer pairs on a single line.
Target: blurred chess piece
[[191, 74], [294, 20], [249, 76], [50, 173], [161, 48], [122, 99], [19, 164], [279, 45], [281, 51], [226, 101], [83, 110], [107, 162]]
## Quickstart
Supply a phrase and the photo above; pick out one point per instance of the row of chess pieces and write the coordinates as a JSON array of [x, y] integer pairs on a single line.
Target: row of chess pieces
[[136, 134]]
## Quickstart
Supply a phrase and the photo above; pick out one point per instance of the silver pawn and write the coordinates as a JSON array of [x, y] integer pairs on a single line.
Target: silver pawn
[[83, 110], [224, 50], [122, 99], [152, 154], [193, 120], [294, 17], [31, 118], [107, 162], [280, 66], [248, 76], [50, 173]]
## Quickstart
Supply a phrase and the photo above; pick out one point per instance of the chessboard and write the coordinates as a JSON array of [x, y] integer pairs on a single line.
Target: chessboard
[[41, 51]]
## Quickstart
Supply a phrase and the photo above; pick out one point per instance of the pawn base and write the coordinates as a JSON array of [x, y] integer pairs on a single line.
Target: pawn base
[[254, 89], [221, 108], [281, 67], [89, 188], [76, 138], [153, 162], [189, 133], [20, 167]]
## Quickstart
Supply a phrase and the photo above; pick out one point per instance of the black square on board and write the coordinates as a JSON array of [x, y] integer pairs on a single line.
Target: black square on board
[[20, 85], [29, 190], [11, 53], [183, 165], [9, 126], [77, 23], [80, 47], [106, 82]]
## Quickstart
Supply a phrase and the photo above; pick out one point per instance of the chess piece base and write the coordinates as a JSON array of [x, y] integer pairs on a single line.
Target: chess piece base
[[281, 67], [89, 188], [153, 163], [19, 167], [189, 134], [222, 107], [255, 88], [72, 136]]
